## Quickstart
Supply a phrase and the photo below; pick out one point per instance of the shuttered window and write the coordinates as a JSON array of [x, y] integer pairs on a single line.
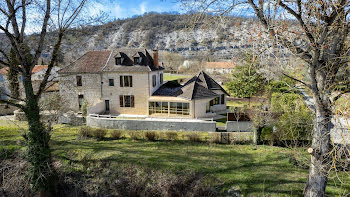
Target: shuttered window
[[127, 100], [125, 81]]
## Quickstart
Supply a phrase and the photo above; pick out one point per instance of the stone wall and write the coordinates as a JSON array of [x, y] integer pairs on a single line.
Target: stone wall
[[128, 124], [45, 116], [241, 126], [6, 109]]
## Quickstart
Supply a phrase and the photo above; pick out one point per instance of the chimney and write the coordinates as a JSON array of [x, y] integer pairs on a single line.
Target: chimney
[[155, 58]]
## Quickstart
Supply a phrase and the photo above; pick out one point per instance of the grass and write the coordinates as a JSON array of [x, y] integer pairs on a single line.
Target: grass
[[170, 77], [221, 122], [256, 170], [242, 104]]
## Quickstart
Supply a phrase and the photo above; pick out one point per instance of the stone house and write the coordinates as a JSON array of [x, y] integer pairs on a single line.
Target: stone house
[[219, 67], [130, 82], [37, 76]]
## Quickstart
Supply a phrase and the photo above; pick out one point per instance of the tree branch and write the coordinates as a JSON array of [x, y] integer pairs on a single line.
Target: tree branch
[[295, 79], [51, 64], [22, 107], [298, 17], [42, 34]]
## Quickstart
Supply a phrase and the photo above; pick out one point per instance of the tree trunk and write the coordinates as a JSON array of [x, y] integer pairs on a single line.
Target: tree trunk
[[38, 150], [319, 166]]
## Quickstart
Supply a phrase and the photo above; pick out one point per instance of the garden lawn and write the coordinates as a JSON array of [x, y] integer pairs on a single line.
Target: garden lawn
[[170, 77], [255, 170]]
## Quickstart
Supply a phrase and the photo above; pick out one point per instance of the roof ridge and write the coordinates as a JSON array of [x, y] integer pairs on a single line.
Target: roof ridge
[[111, 52]]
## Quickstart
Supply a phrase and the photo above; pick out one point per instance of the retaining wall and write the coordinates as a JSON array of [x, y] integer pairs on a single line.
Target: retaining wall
[[242, 126], [125, 124], [6, 109]]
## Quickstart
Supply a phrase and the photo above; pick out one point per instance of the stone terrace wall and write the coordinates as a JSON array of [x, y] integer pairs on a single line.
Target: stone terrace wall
[[240, 126], [126, 124], [6, 109]]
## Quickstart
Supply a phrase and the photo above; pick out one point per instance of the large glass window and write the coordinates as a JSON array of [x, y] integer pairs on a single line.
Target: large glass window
[[158, 107], [180, 108]]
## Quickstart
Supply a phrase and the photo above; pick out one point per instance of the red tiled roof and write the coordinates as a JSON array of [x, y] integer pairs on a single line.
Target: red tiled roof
[[228, 65], [90, 62], [36, 69], [3, 71]]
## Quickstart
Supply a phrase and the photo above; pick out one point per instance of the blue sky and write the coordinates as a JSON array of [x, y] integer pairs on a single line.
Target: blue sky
[[128, 8]]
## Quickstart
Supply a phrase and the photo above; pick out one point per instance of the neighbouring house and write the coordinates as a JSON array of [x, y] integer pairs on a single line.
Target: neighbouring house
[[219, 67], [37, 76], [130, 82]]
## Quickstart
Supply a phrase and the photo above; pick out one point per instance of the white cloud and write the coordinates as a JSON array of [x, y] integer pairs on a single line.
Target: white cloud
[[143, 7]]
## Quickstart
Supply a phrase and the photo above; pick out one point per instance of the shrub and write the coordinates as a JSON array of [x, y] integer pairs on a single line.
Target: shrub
[[151, 135], [267, 134], [171, 135], [215, 138], [241, 137], [85, 132], [116, 134], [6, 153], [195, 137], [99, 133], [135, 135]]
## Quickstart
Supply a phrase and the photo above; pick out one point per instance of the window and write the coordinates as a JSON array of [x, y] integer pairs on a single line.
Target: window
[[127, 101], [154, 80], [125, 81], [1, 78], [161, 78], [180, 108], [207, 108], [222, 99], [111, 82], [137, 60], [80, 100], [79, 81], [158, 107], [118, 61], [215, 101]]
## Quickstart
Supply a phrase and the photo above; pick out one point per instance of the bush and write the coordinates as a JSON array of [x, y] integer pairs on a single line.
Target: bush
[[6, 153], [85, 132], [135, 135], [151, 135], [241, 137], [267, 134], [215, 138], [116, 134], [171, 135], [195, 137], [99, 133]]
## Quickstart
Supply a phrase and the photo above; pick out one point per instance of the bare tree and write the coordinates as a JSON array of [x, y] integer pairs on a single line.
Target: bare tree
[[16, 19], [321, 40]]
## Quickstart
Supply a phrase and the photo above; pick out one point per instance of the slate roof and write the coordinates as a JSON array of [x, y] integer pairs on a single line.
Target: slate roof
[[195, 88], [206, 81], [98, 61], [146, 64]]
